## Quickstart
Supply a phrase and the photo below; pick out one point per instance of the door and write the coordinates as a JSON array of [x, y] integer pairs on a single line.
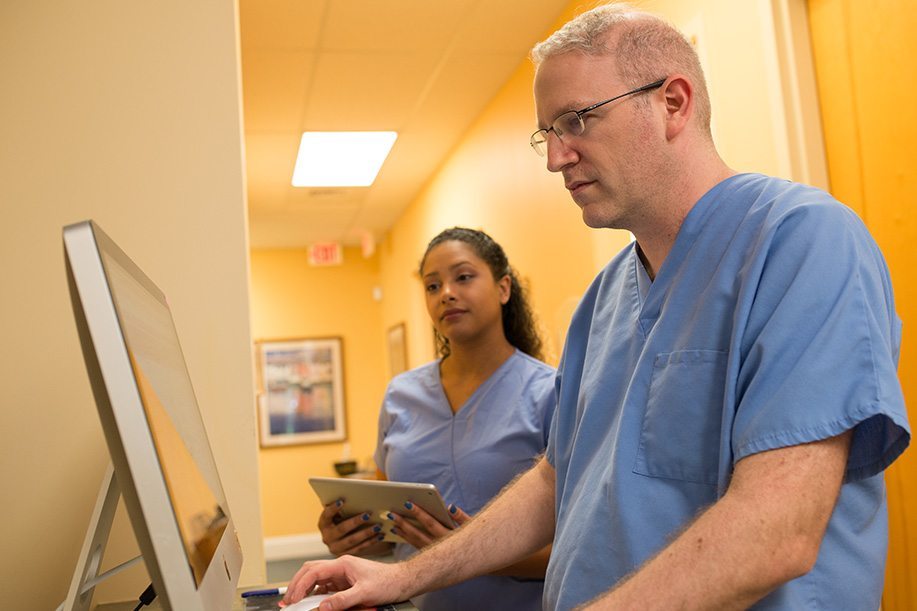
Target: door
[[867, 87]]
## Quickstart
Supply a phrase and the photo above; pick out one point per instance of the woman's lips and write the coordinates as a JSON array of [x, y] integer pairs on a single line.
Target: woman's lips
[[451, 314]]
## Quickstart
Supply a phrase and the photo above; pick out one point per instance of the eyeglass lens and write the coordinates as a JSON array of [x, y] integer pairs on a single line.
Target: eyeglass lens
[[571, 122]]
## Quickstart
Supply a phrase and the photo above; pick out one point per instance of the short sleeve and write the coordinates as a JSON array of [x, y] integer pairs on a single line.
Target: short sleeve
[[819, 350], [549, 401], [384, 423], [549, 453], [545, 402]]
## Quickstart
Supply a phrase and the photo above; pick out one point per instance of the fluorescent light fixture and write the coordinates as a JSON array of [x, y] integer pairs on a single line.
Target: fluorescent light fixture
[[341, 159]]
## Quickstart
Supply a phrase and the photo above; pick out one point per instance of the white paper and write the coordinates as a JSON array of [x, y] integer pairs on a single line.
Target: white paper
[[308, 603]]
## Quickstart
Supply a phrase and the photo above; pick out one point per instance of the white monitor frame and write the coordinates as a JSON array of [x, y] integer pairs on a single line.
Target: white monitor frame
[[130, 440]]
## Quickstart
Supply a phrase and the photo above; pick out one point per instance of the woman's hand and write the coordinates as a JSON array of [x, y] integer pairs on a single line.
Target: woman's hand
[[429, 530], [355, 535]]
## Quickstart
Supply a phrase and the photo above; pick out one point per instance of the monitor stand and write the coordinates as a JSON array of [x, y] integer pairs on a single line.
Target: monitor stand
[[86, 575]]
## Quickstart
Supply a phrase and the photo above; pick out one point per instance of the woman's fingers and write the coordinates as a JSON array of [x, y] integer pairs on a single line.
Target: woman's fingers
[[459, 516], [422, 528], [404, 528], [346, 535]]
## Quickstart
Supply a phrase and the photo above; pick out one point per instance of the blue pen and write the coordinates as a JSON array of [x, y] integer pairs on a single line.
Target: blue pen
[[270, 592]]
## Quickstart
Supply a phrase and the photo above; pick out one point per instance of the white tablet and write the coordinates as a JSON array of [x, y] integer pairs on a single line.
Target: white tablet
[[379, 498]]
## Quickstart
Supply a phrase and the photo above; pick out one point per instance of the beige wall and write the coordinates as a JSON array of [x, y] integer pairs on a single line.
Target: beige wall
[[494, 181], [127, 113], [291, 299]]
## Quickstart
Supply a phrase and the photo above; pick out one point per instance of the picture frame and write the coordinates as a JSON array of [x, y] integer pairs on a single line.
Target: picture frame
[[397, 349], [300, 391]]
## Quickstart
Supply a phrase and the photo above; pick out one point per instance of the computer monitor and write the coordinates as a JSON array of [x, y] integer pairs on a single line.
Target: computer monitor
[[156, 438]]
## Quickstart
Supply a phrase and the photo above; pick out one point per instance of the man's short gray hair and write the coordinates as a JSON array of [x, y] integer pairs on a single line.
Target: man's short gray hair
[[645, 47]]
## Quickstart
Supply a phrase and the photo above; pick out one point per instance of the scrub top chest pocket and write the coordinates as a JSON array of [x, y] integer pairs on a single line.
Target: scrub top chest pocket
[[680, 436]]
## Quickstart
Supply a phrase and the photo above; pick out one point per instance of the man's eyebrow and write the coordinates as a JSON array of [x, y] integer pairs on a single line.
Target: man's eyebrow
[[574, 107]]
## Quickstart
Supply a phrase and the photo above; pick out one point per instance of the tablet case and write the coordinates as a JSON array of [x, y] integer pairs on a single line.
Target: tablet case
[[378, 498]]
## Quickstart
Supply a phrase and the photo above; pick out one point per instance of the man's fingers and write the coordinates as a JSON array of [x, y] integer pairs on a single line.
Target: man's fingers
[[340, 601], [325, 573], [299, 586]]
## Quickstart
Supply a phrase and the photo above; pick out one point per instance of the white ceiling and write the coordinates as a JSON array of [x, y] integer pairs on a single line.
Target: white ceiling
[[423, 68]]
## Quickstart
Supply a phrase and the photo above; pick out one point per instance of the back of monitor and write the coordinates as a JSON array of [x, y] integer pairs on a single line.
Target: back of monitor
[[161, 459]]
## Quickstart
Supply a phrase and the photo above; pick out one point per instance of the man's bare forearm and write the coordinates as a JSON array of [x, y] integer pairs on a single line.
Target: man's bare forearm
[[517, 523], [530, 567]]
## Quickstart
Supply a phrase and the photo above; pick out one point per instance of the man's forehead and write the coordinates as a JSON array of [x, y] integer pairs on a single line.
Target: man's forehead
[[576, 65], [571, 80]]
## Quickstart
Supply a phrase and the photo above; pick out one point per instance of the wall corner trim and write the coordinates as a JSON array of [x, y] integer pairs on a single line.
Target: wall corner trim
[[287, 547]]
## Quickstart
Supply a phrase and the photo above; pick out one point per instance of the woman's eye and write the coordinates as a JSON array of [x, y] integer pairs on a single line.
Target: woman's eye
[[463, 277], [432, 287]]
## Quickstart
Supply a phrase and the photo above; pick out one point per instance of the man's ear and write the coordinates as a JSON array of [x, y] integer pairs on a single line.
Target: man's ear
[[679, 104]]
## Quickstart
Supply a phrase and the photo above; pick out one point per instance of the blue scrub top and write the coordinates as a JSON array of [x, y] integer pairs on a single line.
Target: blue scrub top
[[771, 323], [470, 456]]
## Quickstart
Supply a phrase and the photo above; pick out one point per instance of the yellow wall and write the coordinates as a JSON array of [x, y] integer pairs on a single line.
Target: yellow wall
[[493, 180], [128, 113], [291, 299], [872, 146], [543, 236]]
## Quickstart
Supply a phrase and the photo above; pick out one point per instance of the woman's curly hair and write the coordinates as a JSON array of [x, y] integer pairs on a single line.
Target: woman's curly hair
[[518, 321]]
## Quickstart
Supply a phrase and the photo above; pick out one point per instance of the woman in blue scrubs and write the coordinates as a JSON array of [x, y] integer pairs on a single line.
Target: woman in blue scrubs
[[468, 422]]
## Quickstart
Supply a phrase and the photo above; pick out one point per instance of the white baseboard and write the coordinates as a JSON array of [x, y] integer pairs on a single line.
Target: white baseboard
[[306, 545]]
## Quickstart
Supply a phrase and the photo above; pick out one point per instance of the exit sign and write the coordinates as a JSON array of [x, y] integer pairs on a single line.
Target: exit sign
[[326, 253]]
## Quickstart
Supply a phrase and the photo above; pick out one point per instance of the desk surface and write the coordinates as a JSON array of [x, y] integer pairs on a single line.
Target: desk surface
[[260, 604]]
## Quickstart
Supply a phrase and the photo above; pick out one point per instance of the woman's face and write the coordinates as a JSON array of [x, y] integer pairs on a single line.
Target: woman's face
[[463, 298]]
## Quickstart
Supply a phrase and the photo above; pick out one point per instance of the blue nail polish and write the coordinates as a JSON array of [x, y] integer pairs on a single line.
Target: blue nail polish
[[409, 505], [377, 528], [365, 517], [390, 516], [453, 508], [394, 531], [338, 503], [380, 538]]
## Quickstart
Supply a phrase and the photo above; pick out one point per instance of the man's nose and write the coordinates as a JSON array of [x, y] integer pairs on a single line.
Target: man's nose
[[559, 154]]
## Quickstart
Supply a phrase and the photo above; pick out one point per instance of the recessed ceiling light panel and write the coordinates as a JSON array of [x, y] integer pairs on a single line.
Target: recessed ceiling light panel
[[341, 159]]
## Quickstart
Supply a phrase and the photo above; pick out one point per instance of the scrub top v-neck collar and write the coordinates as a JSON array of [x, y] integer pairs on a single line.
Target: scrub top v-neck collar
[[652, 293], [482, 387]]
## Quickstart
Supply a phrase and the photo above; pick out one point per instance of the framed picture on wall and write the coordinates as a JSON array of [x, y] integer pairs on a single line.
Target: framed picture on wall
[[300, 391], [397, 349]]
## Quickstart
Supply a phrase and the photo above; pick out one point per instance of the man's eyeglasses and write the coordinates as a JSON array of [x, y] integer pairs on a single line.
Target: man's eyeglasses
[[571, 122]]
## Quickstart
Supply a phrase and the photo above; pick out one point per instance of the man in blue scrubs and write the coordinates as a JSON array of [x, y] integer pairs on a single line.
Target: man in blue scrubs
[[727, 398]]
